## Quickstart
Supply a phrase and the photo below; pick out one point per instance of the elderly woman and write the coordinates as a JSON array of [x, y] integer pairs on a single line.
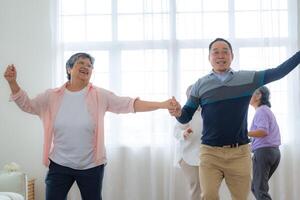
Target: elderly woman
[[265, 143], [73, 121]]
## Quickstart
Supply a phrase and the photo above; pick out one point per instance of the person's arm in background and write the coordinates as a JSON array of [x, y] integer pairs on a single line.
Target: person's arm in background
[[182, 131], [260, 124], [257, 133]]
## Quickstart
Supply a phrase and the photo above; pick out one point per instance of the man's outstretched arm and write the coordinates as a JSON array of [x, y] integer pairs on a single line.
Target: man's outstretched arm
[[282, 70]]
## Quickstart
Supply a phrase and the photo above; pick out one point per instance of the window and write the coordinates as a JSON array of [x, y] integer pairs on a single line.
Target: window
[[157, 48]]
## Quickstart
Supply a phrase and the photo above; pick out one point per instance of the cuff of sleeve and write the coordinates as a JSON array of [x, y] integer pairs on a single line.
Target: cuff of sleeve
[[132, 104], [14, 97]]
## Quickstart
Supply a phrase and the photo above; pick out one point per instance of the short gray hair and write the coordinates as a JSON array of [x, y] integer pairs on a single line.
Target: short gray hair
[[265, 96]]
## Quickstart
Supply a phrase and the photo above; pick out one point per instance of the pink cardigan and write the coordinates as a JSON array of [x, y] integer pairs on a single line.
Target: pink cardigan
[[46, 106]]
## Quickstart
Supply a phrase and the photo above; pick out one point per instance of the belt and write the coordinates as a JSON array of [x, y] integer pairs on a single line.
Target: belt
[[235, 145]]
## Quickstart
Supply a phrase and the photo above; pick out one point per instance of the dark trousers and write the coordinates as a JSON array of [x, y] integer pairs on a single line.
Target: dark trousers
[[265, 162], [60, 179]]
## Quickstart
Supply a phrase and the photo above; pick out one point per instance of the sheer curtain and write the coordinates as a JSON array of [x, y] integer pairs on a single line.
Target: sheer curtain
[[289, 169], [154, 49]]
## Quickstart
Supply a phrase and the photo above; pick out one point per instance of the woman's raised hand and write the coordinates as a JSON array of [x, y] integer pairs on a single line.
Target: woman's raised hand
[[10, 73]]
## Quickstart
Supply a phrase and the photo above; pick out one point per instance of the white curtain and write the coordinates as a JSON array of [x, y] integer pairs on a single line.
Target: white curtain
[[137, 54], [284, 183]]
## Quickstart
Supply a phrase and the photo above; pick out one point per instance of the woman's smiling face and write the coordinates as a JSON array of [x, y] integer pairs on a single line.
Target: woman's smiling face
[[82, 70]]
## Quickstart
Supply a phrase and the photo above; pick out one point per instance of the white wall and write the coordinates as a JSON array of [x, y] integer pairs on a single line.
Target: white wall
[[25, 41]]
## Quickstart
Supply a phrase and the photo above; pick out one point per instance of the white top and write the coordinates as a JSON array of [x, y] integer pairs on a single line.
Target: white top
[[73, 133], [188, 148]]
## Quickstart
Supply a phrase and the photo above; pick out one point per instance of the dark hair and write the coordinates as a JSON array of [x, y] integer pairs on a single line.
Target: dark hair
[[265, 96], [71, 61], [222, 40]]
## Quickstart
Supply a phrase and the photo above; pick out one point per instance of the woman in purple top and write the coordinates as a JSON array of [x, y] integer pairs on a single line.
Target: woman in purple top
[[265, 143]]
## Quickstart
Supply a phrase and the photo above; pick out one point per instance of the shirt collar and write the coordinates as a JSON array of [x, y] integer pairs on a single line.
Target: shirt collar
[[225, 73], [63, 87]]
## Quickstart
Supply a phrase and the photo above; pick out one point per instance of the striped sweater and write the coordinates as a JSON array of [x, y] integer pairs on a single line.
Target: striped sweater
[[225, 104]]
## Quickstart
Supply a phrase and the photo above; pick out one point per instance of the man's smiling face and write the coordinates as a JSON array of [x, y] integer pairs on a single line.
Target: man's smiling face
[[220, 56]]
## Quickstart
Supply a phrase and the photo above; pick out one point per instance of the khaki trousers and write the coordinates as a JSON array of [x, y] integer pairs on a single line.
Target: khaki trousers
[[232, 164], [191, 174]]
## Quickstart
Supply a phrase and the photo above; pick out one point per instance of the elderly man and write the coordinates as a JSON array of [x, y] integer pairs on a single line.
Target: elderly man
[[224, 96]]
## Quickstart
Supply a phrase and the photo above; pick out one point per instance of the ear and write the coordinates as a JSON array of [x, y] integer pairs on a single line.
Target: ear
[[69, 70], [258, 96]]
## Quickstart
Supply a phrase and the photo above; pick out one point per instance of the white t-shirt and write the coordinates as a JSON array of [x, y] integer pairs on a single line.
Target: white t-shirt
[[73, 133]]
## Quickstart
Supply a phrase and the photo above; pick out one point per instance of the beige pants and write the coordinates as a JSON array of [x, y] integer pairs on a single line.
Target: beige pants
[[192, 176], [232, 164]]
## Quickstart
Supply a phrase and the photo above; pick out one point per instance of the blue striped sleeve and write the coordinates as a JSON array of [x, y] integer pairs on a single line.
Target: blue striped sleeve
[[188, 110], [282, 70]]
